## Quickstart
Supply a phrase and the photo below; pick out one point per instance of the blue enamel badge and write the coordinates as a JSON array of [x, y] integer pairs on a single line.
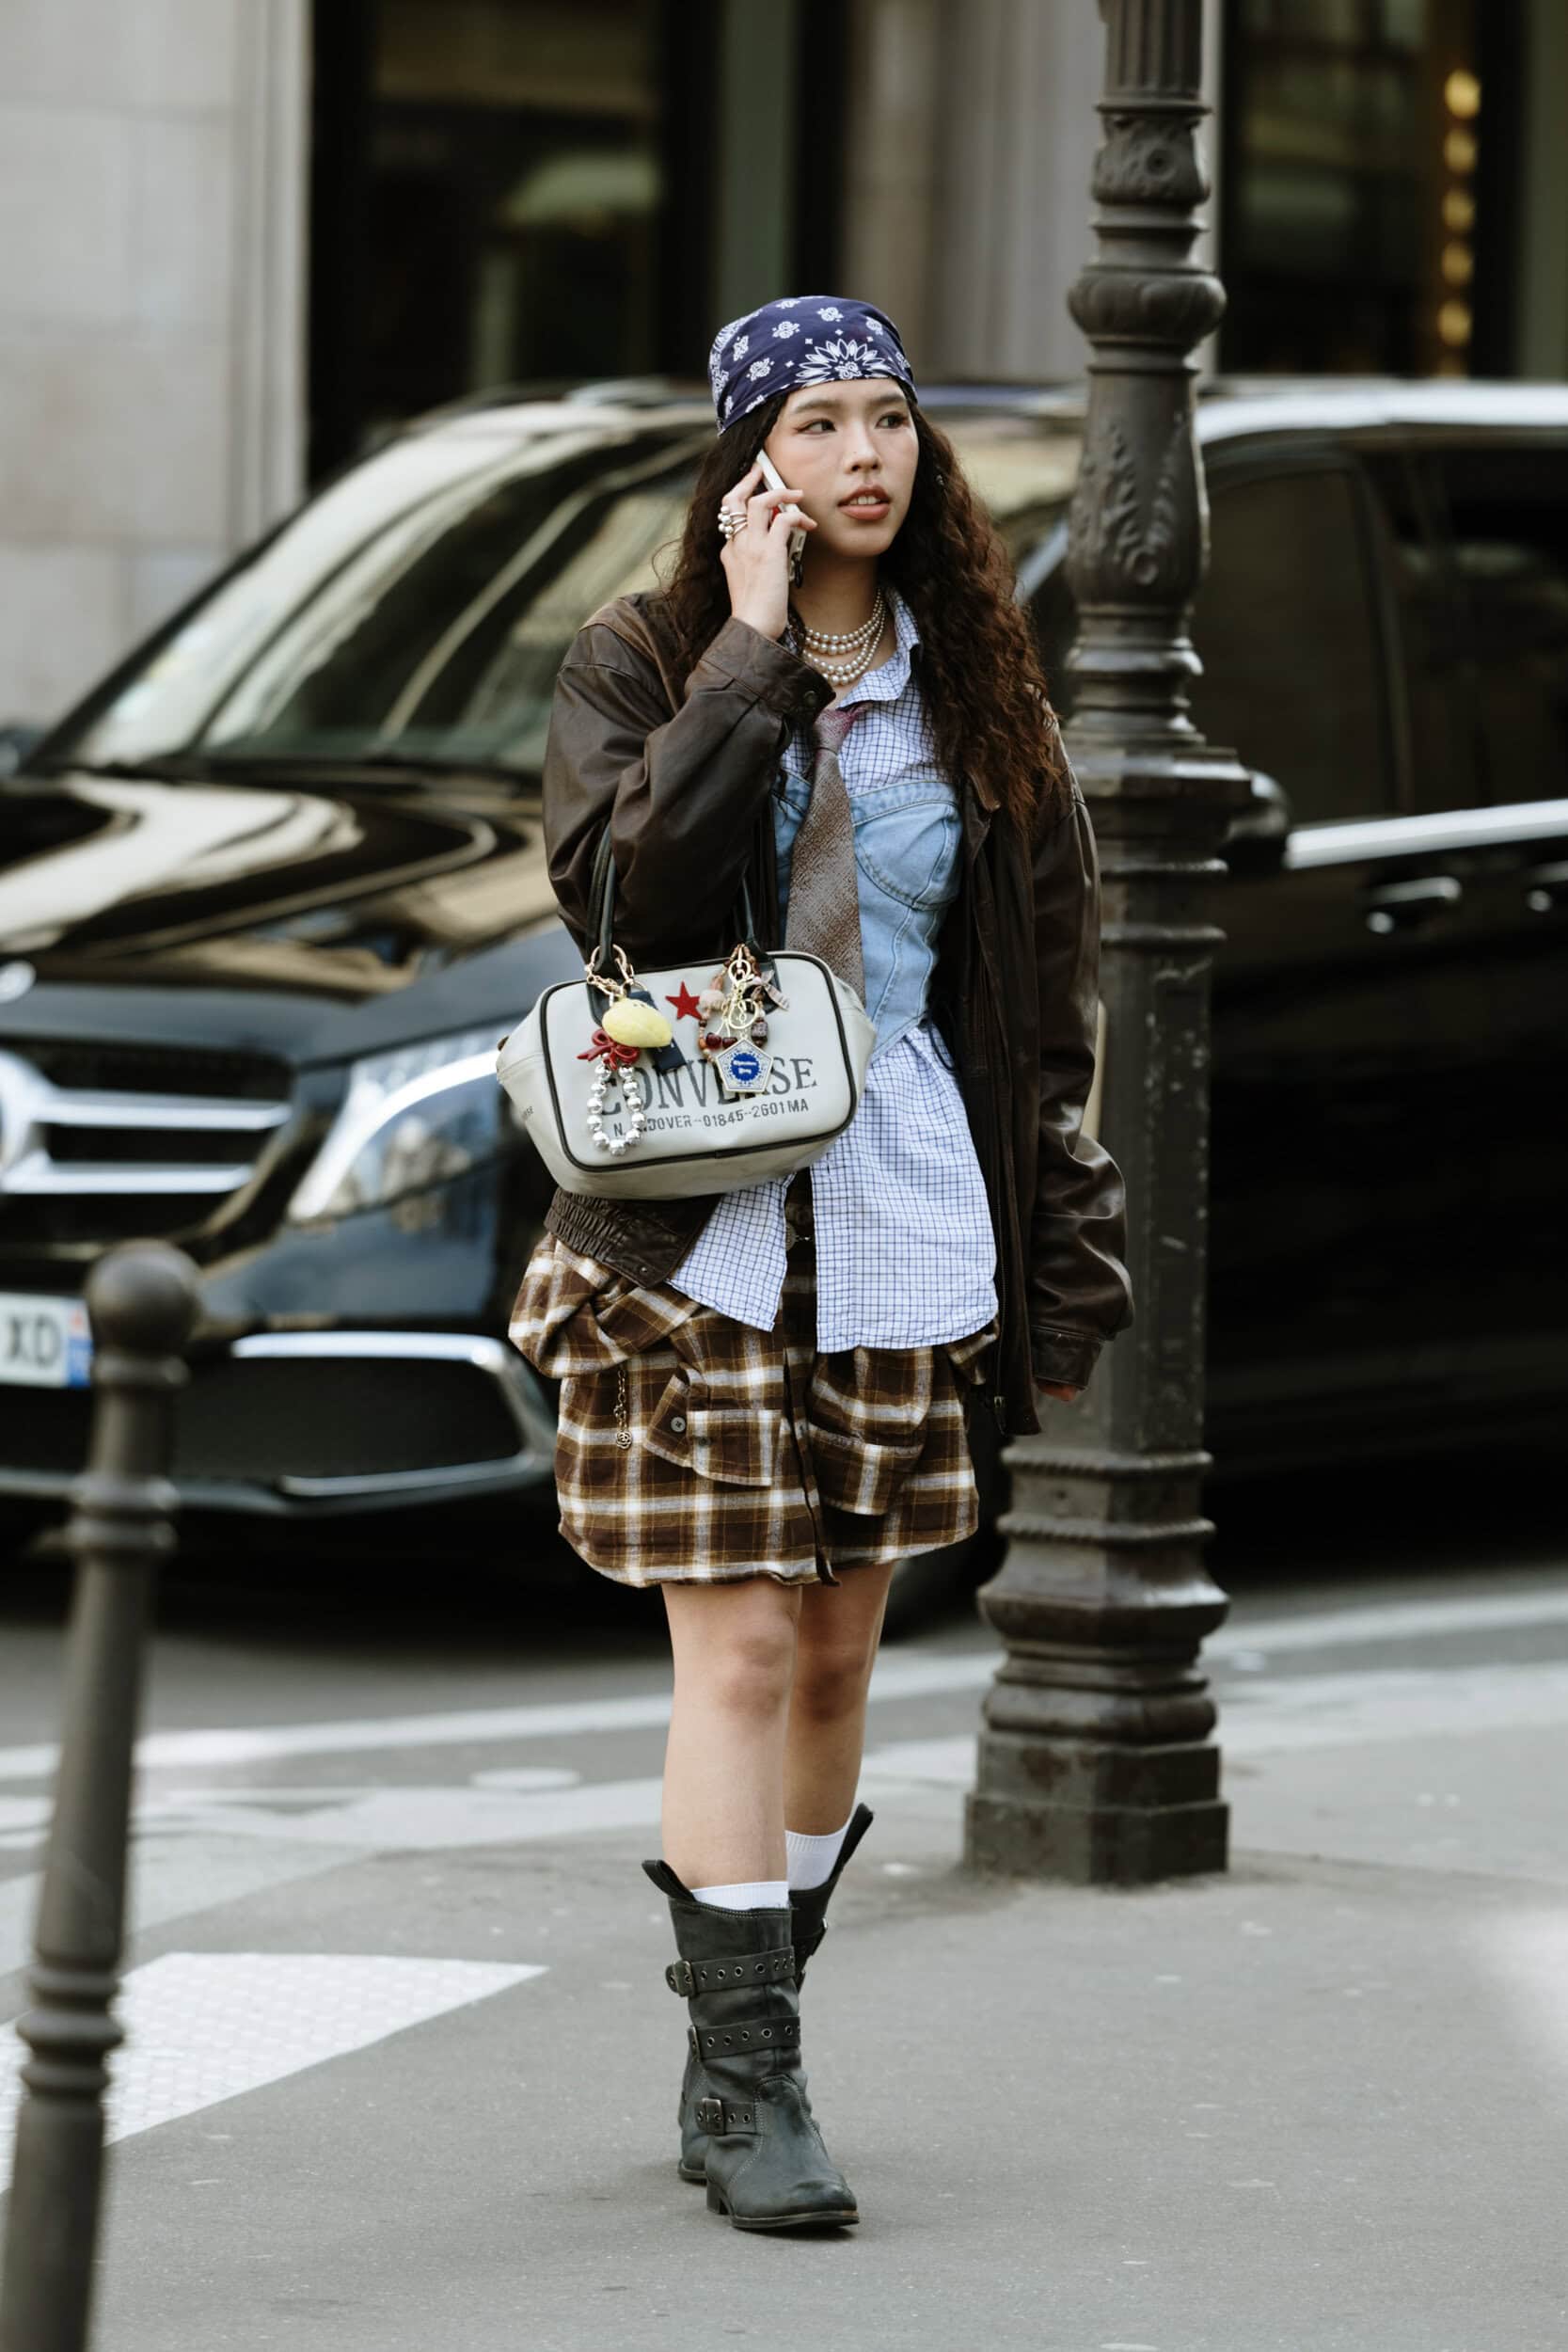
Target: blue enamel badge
[[743, 1071]]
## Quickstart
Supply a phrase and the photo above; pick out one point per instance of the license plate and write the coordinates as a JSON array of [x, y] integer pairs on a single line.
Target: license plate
[[44, 1343]]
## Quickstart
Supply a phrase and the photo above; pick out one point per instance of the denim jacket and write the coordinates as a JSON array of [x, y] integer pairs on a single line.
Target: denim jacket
[[907, 836]]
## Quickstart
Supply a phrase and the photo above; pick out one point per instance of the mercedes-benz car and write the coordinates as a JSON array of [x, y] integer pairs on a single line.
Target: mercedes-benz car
[[271, 894]]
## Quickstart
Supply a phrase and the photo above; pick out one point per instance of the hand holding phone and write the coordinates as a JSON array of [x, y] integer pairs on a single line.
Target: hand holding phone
[[774, 480], [761, 560]]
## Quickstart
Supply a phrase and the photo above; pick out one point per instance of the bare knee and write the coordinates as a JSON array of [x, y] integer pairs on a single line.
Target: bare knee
[[830, 1678], [753, 1673], [744, 1662]]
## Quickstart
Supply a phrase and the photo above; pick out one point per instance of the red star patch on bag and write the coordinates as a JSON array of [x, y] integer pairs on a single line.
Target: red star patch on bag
[[685, 1004]]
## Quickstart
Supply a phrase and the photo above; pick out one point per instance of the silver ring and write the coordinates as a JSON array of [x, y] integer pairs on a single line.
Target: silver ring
[[731, 519]]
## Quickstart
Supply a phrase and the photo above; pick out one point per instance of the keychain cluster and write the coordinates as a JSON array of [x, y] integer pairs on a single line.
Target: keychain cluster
[[732, 1035], [732, 1024], [631, 1026]]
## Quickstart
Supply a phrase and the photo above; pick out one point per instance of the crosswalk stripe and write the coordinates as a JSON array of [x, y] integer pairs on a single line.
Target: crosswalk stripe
[[205, 2026]]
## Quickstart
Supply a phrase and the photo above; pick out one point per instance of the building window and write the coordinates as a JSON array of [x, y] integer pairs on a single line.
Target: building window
[[495, 183], [1369, 149]]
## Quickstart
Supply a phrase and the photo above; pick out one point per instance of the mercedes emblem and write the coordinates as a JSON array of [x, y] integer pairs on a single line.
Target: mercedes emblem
[[15, 980]]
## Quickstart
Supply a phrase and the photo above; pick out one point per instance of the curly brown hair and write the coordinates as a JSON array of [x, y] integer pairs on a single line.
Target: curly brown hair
[[986, 694]]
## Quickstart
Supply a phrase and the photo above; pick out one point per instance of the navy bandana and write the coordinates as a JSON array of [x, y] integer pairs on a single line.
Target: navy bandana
[[802, 339]]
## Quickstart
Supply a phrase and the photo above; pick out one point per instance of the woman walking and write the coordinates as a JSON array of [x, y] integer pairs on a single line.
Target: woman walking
[[765, 1394]]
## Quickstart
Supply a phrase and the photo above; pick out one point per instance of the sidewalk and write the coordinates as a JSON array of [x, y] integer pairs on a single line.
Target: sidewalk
[[1319, 2103]]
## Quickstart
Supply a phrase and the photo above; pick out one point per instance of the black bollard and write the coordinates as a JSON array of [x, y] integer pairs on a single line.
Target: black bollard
[[142, 1301]]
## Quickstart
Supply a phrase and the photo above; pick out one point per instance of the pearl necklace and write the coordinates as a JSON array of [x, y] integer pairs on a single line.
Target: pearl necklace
[[844, 657]]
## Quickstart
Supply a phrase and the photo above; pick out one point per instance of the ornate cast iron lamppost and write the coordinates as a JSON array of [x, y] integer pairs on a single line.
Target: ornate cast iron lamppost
[[142, 1300], [1096, 1762]]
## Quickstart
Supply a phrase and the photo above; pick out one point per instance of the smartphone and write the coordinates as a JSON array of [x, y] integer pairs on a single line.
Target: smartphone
[[775, 481]]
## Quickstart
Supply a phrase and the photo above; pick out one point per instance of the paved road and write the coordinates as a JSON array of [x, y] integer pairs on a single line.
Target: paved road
[[402, 2064]]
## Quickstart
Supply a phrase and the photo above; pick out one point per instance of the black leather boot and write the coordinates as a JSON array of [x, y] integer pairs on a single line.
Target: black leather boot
[[808, 1926], [808, 1909], [763, 2156]]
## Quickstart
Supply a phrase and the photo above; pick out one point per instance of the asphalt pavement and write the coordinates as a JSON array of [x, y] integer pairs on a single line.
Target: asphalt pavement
[[401, 2066]]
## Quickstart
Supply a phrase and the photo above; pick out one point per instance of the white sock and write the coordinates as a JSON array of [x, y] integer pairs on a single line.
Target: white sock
[[747, 1894], [812, 1859]]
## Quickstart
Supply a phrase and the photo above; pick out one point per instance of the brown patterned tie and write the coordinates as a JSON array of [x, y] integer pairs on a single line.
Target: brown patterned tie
[[824, 913]]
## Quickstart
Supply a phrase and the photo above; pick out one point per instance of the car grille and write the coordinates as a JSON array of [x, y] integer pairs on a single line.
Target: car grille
[[91, 1064], [99, 1141]]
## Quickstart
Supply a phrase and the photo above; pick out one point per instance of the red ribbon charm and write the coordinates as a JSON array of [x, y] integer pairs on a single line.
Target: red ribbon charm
[[608, 1050]]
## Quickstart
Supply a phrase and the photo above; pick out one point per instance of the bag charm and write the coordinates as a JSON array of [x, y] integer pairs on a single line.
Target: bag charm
[[732, 1025], [632, 1023]]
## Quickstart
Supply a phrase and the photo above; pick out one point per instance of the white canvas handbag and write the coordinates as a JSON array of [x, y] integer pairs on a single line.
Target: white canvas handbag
[[618, 1119]]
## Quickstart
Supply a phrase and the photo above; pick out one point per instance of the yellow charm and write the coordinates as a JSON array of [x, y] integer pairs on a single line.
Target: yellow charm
[[632, 1023]]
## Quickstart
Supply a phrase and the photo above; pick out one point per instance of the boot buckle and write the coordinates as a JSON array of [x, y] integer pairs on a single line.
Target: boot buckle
[[728, 1976], [720, 2115]]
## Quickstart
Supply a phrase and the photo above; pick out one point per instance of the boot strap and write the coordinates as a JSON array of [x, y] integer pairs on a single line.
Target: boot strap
[[757, 2033], [720, 2115], [690, 1977]]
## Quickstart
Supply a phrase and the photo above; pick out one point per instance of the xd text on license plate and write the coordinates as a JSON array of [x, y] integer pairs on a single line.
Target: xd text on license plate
[[44, 1343]]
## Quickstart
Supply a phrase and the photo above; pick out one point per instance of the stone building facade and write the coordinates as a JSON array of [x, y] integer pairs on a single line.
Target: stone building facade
[[151, 279]]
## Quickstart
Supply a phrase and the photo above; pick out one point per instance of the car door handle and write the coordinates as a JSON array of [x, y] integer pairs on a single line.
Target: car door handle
[[1402, 906], [1546, 888]]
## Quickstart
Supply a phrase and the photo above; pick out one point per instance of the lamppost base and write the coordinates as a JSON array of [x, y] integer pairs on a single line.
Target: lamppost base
[[1112, 1817]]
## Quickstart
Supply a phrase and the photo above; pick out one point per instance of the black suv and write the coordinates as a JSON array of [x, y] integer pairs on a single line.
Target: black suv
[[271, 895]]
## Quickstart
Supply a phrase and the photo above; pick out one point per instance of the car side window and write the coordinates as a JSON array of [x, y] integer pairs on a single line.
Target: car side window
[[1432, 656], [1508, 522], [1286, 627]]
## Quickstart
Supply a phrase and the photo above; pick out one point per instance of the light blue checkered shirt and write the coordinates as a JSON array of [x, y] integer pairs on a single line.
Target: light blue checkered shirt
[[905, 1252]]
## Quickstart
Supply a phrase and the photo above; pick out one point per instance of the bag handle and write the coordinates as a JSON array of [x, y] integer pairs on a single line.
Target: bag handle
[[601, 895]]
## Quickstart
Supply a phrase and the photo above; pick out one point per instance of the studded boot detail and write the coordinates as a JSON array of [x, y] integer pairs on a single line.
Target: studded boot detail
[[808, 1926], [763, 2156]]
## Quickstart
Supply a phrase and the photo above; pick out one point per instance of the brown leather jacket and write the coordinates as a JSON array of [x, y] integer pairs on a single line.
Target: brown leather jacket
[[683, 769]]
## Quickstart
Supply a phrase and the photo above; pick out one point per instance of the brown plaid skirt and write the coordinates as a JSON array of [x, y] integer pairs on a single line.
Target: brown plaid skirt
[[694, 1449]]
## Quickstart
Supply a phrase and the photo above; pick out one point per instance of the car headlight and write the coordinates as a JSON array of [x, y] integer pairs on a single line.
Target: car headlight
[[413, 1117]]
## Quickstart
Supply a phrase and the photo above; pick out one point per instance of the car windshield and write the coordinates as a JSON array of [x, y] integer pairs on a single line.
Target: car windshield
[[417, 612]]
